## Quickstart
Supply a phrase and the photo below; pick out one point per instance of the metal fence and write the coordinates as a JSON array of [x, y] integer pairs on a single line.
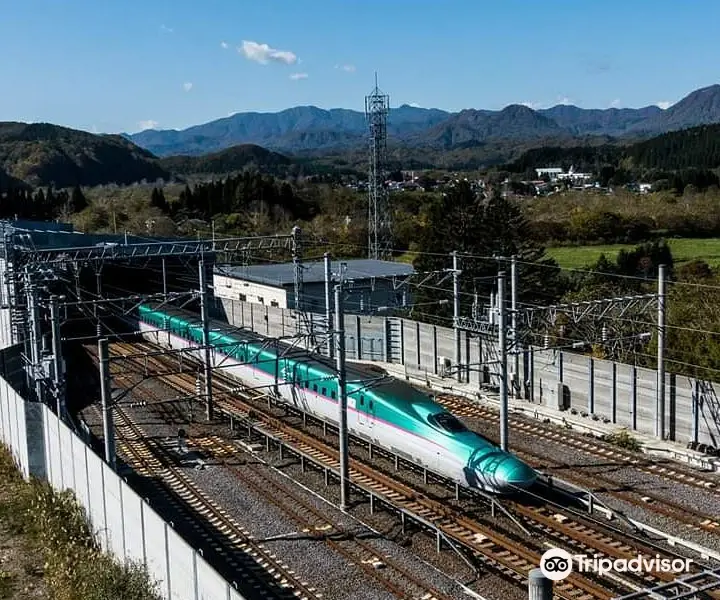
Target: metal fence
[[124, 523]]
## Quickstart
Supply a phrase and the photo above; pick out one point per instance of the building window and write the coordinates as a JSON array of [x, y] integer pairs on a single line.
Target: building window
[[242, 297], [261, 300], [274, 303]]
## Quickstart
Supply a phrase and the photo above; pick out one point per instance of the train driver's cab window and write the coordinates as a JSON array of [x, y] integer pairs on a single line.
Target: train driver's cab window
[[447, 422]]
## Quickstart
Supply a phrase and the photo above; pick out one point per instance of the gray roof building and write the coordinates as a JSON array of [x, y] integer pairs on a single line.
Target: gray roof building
[[283, 274], [370, 284]]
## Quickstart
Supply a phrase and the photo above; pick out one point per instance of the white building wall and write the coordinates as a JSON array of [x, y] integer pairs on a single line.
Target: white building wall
[[255, 293]]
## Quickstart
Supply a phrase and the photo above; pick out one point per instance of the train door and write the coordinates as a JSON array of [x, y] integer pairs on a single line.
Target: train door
[[371, 411], [303, 385], [362, 408], [437, 464]]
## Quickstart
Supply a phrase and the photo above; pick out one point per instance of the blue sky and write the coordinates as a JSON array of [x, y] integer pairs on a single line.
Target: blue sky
[[121, 65]]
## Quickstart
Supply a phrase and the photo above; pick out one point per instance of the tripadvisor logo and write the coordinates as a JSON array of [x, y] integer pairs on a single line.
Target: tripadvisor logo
[[556, 564]]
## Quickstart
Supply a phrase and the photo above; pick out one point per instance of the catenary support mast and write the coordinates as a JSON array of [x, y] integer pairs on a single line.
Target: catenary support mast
[[207, 365], [342, 396], [502, 344], [660, 399]]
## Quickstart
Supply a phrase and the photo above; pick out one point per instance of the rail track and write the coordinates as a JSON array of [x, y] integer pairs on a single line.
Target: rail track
[[647, 500], [392, 575], [388, 572], [490, 545], [250, 565], [596, 482], [464, 407]]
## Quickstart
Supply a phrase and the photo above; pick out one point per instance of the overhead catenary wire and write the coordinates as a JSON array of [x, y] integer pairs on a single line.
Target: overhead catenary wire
[[521, 305]]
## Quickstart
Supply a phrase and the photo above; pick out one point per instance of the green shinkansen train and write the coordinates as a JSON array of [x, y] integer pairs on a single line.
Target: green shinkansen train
[[381, 409]]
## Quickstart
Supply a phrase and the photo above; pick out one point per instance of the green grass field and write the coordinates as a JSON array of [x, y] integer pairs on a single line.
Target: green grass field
[[683, 249]]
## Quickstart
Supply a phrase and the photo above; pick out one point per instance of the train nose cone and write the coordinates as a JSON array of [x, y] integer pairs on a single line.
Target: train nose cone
[[514, 475]]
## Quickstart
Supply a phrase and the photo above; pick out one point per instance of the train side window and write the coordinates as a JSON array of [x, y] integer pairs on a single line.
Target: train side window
[[314, 387], [324, 391], [371, 404], [332, 394], [307, 384], [362, 400]]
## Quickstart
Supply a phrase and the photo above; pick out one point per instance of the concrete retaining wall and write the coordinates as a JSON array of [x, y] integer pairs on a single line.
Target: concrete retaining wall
[[616, 392], [124, 523]]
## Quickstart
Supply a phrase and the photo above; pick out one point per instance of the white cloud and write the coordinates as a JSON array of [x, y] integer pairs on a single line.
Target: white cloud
[[187, 86], [166, 29], [263, 54], [224, 45], [615, 103], [414, 105], [346, 68], [149, 124], [564, 100], [664, 104], [533, 105], [298, 76]]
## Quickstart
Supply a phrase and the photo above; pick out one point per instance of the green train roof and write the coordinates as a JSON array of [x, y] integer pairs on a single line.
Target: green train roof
[[361, 379]]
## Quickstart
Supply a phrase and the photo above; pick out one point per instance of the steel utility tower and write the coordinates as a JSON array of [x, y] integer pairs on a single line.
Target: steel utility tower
[[377, 107]]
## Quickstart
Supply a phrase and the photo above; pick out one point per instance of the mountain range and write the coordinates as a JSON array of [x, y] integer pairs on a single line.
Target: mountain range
[[311, 141], [308, 129]]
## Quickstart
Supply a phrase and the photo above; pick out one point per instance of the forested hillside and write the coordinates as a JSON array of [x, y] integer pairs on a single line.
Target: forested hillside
[[233, 159], [42, 154], [695, 148], [669, 161]]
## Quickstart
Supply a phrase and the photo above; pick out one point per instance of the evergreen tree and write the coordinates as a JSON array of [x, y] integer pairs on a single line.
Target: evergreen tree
[[157, 199], [78, 202], [482, 232]]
